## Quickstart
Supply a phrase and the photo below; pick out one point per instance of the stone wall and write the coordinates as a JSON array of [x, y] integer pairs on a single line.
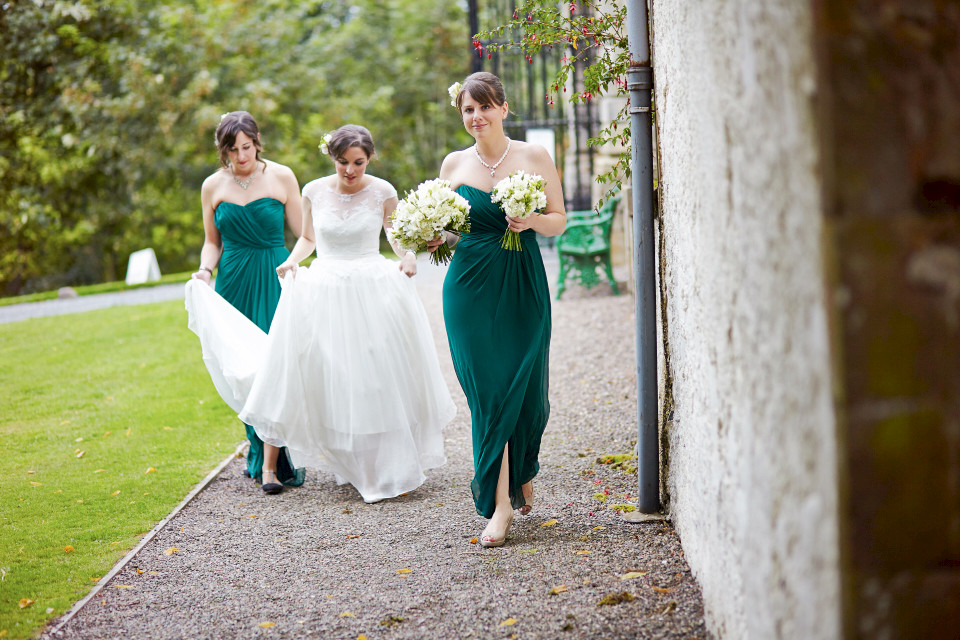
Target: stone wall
[[752, 439]]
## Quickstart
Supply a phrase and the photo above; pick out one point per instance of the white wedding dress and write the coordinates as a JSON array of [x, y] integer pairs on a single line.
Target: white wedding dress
[[348, 377]]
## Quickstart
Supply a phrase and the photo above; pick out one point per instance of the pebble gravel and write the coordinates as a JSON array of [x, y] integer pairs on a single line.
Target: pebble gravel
[[317, 562]]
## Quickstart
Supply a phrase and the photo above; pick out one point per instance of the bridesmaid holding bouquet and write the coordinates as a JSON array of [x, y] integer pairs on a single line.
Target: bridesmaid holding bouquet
[[496, 305]]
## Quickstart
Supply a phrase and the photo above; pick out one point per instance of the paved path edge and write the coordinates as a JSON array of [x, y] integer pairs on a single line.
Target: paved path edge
[[118, 567]]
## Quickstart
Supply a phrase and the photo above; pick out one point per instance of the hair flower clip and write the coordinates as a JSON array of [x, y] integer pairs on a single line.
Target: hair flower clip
[[323, 145], [453, 91], [224, 115]]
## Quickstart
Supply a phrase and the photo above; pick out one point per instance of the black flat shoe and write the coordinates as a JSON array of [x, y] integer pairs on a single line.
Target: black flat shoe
[[246, 474], [271, 488]]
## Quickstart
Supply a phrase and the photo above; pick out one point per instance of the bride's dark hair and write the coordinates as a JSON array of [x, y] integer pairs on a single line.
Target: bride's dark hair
[[484, 87], [232, 124], [350, 135]]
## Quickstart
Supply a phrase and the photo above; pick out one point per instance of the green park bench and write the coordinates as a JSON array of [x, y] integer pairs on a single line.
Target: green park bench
[[585, 245]]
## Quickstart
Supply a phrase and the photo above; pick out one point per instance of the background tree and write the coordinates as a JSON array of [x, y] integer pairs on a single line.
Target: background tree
[[108, 108]]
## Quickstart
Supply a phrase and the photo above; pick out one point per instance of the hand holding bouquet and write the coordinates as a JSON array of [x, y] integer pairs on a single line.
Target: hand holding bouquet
[[520, 194], [427, 211]]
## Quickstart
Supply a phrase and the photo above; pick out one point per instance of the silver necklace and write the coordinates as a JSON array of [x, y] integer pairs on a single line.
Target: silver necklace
[[245, 183], [492, 167]]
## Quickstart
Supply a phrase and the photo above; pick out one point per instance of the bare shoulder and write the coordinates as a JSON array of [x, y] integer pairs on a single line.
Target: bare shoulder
[[532, 153], [212, 182], [453, 160], [282, 171]]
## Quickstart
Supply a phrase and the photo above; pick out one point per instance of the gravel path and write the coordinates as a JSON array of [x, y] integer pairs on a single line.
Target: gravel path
[[316, 562]]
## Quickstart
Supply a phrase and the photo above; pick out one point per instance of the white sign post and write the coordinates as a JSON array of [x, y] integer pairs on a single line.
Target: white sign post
[[142, 267]]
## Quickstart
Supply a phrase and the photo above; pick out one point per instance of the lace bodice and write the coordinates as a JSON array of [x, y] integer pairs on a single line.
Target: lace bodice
[[348, 225]]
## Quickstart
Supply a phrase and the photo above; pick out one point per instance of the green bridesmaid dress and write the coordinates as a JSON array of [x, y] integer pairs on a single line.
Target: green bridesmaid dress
[[252, 237], [496, 306]]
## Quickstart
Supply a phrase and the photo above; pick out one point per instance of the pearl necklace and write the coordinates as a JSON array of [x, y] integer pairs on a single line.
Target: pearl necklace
[[245, 183], [496, 164]]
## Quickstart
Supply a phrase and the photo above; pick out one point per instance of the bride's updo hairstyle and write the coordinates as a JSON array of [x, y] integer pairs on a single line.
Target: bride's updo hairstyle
[[350, 135], [484, 87], [231, 124]]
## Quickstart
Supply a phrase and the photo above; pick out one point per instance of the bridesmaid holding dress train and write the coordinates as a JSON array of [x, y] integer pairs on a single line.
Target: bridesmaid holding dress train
[[244, 205], [496, 306]]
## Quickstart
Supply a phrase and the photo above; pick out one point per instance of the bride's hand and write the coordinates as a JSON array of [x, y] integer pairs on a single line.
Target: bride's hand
[[432, 245], [408, 264], [284, 267]]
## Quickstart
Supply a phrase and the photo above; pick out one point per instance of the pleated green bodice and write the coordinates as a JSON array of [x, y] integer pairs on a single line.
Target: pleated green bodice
[[252, 237], [496, 306]]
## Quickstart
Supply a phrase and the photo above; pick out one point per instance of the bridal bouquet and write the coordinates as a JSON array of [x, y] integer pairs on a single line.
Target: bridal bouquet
[[520, 194], [427, 211]]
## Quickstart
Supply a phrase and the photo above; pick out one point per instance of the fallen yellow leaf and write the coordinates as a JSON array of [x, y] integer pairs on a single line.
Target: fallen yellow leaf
[[80, 501], [633, 574], [123, 586], [95, 578], [251, 516], [549, 523], [599, 527], [361, 637], [473, 541], [79, 440], [80, 455], [508, 622], [661, 589], [154, 573], [107, 433], [581, 552], [128, 431], [25, 602], [403, 570], [267, 625], [558, 589], [3, 632], [115, 493], [36, 484], [171, 551], [168, 428], [99, 470], [139, 570], [113, 544], [150, 470], [68, 548], [30, 473], [347, 614]]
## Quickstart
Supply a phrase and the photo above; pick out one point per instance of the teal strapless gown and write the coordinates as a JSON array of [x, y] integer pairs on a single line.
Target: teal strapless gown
[[496, 306], [252, 237]]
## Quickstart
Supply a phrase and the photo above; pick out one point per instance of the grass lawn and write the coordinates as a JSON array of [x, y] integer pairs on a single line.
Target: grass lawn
[[108, 419]]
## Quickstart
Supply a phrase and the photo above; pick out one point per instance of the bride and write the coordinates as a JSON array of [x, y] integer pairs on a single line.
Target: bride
[[348, 377]]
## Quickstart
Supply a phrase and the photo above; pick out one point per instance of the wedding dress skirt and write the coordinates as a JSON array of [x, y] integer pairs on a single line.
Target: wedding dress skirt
[[347, 378]]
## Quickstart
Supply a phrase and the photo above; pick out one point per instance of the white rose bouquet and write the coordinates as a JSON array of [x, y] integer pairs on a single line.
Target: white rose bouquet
[[520, 194], [427, 211]]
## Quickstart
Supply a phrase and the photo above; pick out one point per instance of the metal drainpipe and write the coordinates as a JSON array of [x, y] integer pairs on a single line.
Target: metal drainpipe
[[640, 85]]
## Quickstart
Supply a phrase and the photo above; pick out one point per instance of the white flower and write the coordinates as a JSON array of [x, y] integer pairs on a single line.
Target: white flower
[[453, 91], [324, 149], [520, 194], [424, 213]]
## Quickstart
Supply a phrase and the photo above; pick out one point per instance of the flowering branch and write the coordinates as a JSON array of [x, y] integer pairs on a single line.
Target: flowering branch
[[593, 33]]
